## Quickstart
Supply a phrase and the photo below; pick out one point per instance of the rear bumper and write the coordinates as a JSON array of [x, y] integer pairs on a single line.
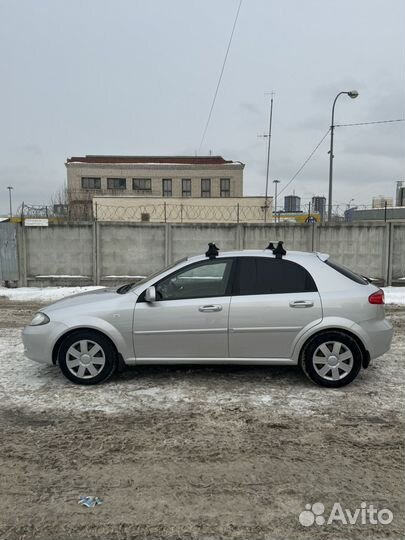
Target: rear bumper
[[376, 336], [39, 341]]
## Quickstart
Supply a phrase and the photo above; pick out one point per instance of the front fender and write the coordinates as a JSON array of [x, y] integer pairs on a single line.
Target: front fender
[[106, 328], [328, 323]]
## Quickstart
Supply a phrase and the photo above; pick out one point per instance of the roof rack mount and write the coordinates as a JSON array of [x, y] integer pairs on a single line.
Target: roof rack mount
[[213, 251], [278, 251]]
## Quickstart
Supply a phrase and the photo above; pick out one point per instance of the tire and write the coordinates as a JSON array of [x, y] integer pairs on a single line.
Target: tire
[[87, 357], [334, 350]]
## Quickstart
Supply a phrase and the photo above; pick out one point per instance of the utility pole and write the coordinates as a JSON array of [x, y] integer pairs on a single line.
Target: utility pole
[[9, 194], [266, 202]]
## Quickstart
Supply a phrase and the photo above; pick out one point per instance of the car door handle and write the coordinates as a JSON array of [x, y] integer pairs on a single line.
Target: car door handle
[[301, 303], [210, 307]]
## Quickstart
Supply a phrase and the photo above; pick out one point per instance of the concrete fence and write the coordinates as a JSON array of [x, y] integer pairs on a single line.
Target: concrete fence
[[107, 253], [8, 252]]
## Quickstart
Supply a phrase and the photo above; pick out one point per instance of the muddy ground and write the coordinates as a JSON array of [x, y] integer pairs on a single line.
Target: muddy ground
[[196, 453]]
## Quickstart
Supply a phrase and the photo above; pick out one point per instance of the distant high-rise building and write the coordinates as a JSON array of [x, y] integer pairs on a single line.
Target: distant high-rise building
[[381, 201], [401, 197], [400, 194], [292, 203], [319, 205]]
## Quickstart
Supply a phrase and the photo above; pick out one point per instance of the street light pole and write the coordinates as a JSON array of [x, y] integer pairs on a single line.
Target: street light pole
[[9, 194], [275, 182], [353, 94]]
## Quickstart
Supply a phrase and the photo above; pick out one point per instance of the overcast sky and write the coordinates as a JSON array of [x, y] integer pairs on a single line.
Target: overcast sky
[[138, 76]]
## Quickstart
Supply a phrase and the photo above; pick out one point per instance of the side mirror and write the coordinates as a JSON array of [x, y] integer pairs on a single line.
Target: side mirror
[[150, 294]]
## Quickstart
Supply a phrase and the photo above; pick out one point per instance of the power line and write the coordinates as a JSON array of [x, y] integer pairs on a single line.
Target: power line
[[305, 162], [369, 123], [220, 76], [324, 137]]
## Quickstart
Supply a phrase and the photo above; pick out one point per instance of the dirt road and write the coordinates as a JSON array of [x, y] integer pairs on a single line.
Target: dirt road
[[196, 453]]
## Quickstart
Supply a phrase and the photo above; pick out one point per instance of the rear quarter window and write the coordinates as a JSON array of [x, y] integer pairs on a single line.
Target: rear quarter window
[[347, 273]]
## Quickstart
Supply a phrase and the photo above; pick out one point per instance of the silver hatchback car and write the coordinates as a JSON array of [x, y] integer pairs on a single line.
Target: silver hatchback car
[[241, 307]]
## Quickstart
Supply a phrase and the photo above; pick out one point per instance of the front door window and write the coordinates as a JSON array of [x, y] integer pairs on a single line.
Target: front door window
[[202, 280]]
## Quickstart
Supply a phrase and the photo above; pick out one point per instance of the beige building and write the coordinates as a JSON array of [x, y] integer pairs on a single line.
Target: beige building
[[158, 176], [162, 189], [183, 210]]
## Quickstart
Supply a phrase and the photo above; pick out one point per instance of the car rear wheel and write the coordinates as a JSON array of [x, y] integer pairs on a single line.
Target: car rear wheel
[[87, 357], [332, 359]]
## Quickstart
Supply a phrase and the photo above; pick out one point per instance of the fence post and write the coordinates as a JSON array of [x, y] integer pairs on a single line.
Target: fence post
[[313, 236], [386, 255], [22, 255], [96, 253], [164, 211], [238, 238], [390, 253], [94, 240], [310, 237], [316, 236], [168, 243], [237, 213]]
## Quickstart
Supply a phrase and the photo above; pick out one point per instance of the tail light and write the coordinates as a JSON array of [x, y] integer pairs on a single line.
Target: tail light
[[377, 297]]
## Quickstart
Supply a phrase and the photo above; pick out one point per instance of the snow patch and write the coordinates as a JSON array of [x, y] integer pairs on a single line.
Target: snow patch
[[61, 276], [122, 277], [40, 387], [394, 295], [43, 294]]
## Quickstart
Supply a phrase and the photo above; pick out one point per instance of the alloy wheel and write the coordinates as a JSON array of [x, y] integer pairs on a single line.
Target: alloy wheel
[[85, 359], [333, 360]]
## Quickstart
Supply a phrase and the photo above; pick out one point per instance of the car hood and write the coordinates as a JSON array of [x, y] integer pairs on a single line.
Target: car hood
[[86, 298]]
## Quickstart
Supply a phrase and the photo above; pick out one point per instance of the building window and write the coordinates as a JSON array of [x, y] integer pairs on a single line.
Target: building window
[[116, 183], [186, 187], [142, 184], [206, 187], [225, 187], [167, 187], [91, 182]]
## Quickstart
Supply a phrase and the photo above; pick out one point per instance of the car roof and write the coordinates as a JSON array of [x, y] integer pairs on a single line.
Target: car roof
[[290, 255]]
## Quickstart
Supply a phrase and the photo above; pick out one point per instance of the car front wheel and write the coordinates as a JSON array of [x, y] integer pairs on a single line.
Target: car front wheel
[[332, 359], [87, 357]]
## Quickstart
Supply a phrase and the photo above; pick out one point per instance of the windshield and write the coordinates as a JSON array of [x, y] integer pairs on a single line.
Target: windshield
[[128, 286]]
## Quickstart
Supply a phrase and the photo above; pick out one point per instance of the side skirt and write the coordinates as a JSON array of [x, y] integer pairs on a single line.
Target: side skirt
[[238, 361]]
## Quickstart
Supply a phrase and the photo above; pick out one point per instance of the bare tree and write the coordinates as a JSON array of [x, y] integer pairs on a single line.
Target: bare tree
[[60, 196]]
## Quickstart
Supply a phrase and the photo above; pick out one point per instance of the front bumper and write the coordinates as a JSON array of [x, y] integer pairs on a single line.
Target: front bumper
[[39, 341]]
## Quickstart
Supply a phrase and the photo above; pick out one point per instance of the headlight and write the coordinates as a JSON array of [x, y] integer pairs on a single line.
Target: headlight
[[38, 319]]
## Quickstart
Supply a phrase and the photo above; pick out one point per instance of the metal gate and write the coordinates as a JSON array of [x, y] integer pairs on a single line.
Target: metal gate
[[8, 252]]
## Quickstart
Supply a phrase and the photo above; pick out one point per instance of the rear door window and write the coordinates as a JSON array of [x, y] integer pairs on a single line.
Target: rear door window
[[261, 275]]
